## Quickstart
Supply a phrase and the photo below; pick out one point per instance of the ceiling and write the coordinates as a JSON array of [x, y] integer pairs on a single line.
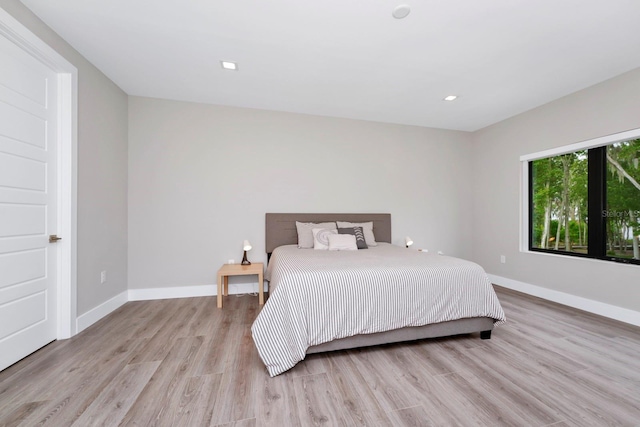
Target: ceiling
[[351, 58]]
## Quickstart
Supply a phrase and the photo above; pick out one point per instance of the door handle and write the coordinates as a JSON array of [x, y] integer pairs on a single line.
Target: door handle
[[53, 238]]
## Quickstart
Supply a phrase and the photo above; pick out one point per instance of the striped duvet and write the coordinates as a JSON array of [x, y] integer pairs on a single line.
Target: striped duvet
[[319, 296]]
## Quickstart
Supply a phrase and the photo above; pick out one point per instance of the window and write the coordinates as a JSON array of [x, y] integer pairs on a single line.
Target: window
[[622, 214], [587, 202], [559, 190]]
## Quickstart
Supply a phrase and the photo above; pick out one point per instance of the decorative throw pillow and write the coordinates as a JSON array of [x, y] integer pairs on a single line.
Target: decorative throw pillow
[[305, 235], [342, 242], [321, 238], [367, 228], [358, 233]]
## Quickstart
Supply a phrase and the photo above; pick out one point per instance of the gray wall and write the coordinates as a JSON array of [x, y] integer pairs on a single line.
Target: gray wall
[[604, 109], [202, 177], [102, 170]]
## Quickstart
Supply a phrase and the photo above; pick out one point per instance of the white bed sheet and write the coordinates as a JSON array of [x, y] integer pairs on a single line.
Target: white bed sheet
[[319, 296]]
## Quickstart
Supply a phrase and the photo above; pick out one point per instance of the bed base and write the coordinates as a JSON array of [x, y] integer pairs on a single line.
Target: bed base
[[484, 325]]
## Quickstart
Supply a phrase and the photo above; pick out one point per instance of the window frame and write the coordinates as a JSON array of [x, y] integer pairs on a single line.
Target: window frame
[[597, 187]]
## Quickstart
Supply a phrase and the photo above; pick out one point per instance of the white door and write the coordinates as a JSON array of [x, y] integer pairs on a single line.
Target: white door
[[28, 196]]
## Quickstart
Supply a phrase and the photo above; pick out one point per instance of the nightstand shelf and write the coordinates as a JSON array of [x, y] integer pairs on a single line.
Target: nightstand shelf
[[256, 268]]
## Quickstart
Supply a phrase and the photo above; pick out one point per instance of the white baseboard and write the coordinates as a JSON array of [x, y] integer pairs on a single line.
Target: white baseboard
[[92, 316], [596, 307], [174, 292], [189, 291]]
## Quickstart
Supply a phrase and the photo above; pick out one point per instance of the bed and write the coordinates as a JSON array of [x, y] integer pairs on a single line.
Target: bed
[[332, 300]]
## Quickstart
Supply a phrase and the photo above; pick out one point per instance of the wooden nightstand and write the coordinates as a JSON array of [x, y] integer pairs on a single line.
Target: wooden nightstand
[[240, 270]]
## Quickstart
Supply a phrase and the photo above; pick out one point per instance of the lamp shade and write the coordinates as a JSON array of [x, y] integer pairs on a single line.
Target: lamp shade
[[408, 241], [246, 245]]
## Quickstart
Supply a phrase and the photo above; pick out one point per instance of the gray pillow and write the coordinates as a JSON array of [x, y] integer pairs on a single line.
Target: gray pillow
[[305, 235], [367, 229], [355, 231]]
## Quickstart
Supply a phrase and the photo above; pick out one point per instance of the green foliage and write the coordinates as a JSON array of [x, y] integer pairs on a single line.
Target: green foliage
[[549, 178], [622, 194]]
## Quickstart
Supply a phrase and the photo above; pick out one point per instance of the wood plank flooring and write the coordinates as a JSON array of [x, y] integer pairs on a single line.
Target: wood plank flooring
[[183, 362]]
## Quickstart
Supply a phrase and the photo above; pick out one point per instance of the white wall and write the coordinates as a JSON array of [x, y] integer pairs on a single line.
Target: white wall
[[102, 170], [610, 107], [202, 177]]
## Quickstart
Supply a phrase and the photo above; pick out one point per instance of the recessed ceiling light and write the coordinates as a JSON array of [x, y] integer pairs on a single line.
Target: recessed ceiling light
[[227, 65], [401, 11], [450, 97]]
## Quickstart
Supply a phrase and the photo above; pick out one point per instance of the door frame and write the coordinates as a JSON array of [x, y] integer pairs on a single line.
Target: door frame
[[67, 182]]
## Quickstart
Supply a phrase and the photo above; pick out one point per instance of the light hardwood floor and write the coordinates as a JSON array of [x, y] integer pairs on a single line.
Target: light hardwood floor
[[185, 362]]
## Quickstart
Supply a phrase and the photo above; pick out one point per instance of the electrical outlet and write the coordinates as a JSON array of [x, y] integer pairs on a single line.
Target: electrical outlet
[[103, 276], [503, 259], [231, 261]]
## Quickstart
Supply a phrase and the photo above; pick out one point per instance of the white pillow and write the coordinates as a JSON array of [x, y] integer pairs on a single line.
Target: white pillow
[[342, 242], [367, 229], [305, 236], [321, 238]]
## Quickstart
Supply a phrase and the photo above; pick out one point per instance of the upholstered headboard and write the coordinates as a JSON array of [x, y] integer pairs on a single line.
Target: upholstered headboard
[[281, 227]]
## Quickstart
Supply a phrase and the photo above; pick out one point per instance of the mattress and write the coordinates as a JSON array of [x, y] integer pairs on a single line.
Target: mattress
[[320, 296]]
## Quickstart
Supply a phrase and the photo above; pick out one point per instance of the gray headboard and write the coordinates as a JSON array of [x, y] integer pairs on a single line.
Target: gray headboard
[[281, 227]]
